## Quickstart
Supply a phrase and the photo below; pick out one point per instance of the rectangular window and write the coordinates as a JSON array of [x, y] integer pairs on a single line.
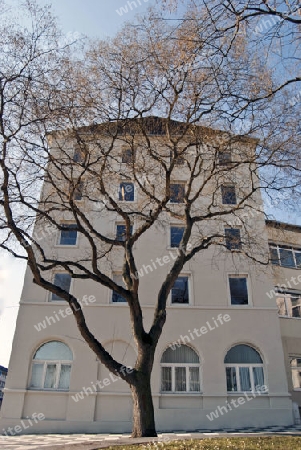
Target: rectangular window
[[176, 234], [78, 191], [180, 292], [117, 298], [177, 192], [289, 304], [285, 256], [224, 158], [233, 239], [238, 290], [180, 379], [228, 195], [68, 235], [80, 154], [62, 280], [231, 379], [121, 232], [126, 192], [128, 155]]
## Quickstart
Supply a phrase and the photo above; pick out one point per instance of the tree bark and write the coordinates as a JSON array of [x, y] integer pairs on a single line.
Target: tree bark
[[143, 408]]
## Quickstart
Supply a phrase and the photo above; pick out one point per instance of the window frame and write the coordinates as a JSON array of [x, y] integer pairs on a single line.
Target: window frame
[[112, 293], [122, 224], [174, 225], [132, 159], [250, 366], [67, 224], [224, 162], [278, 247], [134, 191], [173, 377], [228, 242], [183, 305], [287, 302], [224, 194], [58, 367], [179, 183], [50, 299], [241, 275]]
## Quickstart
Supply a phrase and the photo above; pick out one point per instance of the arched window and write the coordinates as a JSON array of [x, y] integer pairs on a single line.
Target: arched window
[[180, 370], [244, 370], [51, 366]]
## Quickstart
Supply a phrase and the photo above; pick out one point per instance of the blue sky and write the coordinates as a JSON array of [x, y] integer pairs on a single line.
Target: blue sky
[[93, 18]]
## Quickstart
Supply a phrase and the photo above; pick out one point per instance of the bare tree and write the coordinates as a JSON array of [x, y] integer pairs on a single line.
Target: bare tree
[[64, 125]]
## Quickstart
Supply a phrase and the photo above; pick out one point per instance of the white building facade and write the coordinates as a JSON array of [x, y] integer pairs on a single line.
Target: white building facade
[[219, 362]]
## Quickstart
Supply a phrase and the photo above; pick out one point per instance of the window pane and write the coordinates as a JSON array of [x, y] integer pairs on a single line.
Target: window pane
[[64, 380], [177, 192], [126, 192], [274, 256], [36, 375], [69, 235], [228, 195], [286, 257], [194, 379], [233, 239], [182, 354], [117, 298], [243, 354], [231, 379], [78, 191], [63, 280], [238, 291], [298, 259], [224, 158], [258, 377], [79, 154], [121, 232], [166, 379], [180, 381], [176, 234], [179, 293], [54, 351], [50, 376], [127, 156], [296, 306], [245, 381]]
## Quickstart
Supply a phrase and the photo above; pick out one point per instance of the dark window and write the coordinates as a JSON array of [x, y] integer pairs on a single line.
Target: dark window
[[233, 240], [62, 280], [80, 154], [286, 257], [274, 256], [176, 234], [127, 156], [224, 158], [69, 235], [126, 192], [121, 232], [78, 191], [228, 195], [118, 298], [179, 293], [238, 290], [177, 192]]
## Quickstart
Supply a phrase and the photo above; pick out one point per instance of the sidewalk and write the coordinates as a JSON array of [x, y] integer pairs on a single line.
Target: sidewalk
[[95, 441]]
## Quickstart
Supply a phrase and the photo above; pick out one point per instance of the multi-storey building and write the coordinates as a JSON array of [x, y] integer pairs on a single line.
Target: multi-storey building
[[3, 375], [220, 360]]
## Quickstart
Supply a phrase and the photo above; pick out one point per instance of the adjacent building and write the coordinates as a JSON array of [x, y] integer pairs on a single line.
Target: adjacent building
[[230, 353], [3, 375]]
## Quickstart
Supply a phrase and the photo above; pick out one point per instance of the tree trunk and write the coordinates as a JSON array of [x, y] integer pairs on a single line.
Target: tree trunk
[[143, 408]]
